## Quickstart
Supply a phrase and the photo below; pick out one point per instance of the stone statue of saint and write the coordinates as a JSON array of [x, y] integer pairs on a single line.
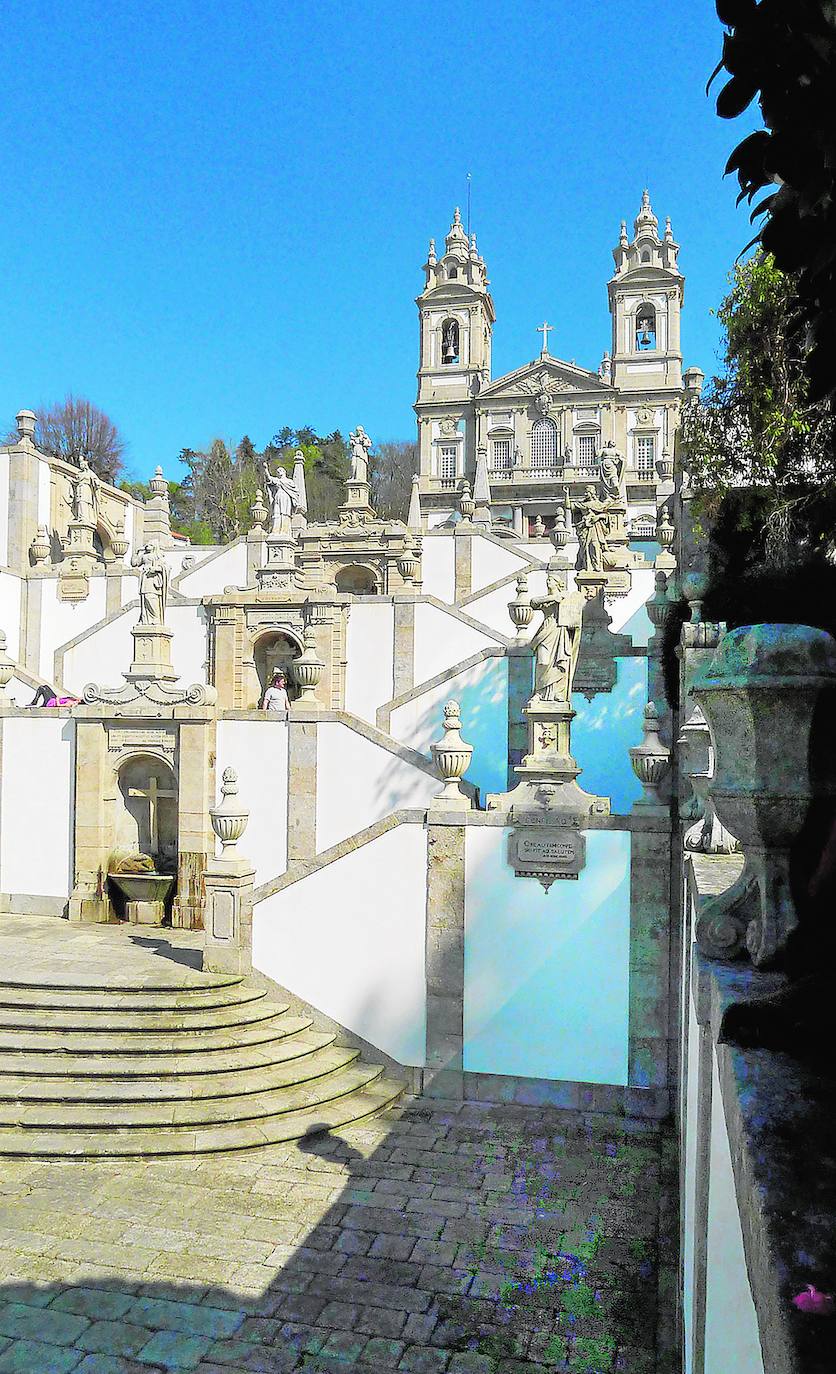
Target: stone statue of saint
[[85, 494], [612, 475], [557, 642], [284, 501], [153, 584], [591, 526], [360, 445]]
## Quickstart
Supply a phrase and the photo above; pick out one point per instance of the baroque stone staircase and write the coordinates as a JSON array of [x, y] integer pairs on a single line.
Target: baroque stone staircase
[[183, 1063]]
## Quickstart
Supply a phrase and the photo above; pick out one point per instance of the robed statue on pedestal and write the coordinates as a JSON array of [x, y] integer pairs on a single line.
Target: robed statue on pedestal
[[557, 643], [153, 584]]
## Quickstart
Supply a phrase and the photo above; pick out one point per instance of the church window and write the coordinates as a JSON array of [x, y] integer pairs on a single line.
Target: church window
[[447, 463], [452, 274], [645, 328], [587, 452], [544, 444], [645, 256], [501, 453], [450, 341], [646, 457]]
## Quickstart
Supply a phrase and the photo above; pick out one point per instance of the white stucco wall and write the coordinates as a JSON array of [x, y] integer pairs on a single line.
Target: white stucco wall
[[61, 621], [359, 782], [489, 561], [731, 1325], [536, 548], [369, 677], [437, 517], [257, 750], [4, 507], [36, 791], [492, 608], [628, 613], [546, 990], [439, 567], [442, 640], [107, 653], [229, 569], [10, 590], [349, 939]]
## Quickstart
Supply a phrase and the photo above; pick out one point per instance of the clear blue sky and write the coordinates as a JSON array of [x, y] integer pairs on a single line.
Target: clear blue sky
[[215, 215]]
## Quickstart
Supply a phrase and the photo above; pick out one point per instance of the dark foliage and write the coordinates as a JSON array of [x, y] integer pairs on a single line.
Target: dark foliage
[[784, 53]]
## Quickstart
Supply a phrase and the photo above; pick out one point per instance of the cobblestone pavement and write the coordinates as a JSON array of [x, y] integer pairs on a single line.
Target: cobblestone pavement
[[432, 1238]]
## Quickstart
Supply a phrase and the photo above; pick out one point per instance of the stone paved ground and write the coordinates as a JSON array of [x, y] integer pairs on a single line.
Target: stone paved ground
[[429, 1239]]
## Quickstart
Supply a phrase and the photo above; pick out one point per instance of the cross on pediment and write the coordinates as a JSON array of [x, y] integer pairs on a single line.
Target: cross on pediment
[[544, 329], [153, 794]]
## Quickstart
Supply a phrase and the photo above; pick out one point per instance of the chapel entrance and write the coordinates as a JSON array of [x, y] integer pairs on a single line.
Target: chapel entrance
[[276, 651], [147, 821]]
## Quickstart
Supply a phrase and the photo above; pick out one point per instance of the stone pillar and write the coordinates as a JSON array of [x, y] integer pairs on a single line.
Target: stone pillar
[[404, 656], [444, 955], [301, 788], [23, 493], [652, 1032], [195, 842], [463, 566], [156, 522], [228, 940], [95, 796], [520, 687]]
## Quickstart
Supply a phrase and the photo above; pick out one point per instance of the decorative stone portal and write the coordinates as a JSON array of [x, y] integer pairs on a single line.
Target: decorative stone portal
[[276, 650], [359, 580], [148, 822]]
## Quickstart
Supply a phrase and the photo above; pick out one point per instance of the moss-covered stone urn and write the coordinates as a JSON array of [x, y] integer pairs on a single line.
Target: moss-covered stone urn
[[769, 695]]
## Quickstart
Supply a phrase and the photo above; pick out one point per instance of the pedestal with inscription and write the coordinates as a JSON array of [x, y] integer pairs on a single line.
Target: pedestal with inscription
[[549, 853], [548, 772]]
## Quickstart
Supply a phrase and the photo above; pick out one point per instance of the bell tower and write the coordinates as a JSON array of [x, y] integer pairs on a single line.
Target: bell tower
[[645, 296], [456, 314]]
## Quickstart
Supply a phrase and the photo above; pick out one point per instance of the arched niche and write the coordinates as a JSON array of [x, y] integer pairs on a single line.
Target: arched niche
[[275, 649], [358, 579], [147, 819]]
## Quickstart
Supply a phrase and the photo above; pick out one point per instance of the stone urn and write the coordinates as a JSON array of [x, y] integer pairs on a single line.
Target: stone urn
[[119, 543], [520, 609], [665, 529], [39, 548], [769, 695], [650, 759], [408, 563], [229, 818], [144, 894], [467, 505], [560, 535], [451, 756], [7, 666], [664, 466], [308, 668]]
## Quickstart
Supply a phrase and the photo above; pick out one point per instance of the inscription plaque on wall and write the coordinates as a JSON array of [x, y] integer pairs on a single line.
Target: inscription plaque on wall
[[548, 853]]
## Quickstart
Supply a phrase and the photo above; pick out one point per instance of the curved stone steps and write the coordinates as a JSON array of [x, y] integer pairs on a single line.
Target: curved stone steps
[[321, 1058], [98, 1020], [170, 1140], [133, 1065], [50, 1039], [14, 996], [199, 1111]]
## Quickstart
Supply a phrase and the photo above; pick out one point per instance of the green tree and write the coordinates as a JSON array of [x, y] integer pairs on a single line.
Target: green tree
[[327, 466], [219, 490], [392, 467], [757, 427]]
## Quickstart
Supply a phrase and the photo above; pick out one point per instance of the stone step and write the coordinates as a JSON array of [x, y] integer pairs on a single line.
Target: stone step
[[323, 1057], [112, 1020], [244, 1108], [41, 1040], [51, 998], [133, 1065], [171, 978], [167, 1140]]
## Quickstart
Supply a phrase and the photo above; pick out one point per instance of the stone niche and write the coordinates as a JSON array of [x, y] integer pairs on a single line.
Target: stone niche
[[376, 558], [143, 782], [251, 632]]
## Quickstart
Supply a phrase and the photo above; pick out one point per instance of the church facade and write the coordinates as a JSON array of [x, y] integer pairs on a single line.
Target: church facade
[[536, 434]]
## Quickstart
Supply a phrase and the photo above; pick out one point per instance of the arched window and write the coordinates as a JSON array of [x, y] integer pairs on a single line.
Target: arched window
[[645, 328], [450, 341], [544, 444]]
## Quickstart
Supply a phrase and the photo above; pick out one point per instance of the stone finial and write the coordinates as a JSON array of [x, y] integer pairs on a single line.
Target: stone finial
[[623, 240], [431, 257], [229, 819], [413, 518], [308, 668], [409, 560], [520, 609], [158, 484], [650, 759], [258, 511], [26, 421], [39, 548], [467, 505], [6, 664], [451, 756], [482, 489], [664, 466], [299, 481]]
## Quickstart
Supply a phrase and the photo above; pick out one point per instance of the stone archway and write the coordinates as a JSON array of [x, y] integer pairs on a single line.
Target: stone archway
[[358, 579], [147, 819], [276, 649]]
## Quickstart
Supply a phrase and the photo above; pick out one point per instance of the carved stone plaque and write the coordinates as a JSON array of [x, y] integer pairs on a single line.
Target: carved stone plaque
[[548, 853]]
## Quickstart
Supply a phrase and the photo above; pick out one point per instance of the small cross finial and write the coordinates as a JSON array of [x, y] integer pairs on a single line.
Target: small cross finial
[[544, 329]]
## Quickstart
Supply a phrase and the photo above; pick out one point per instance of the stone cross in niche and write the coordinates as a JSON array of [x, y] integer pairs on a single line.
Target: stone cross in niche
[[544, 329], [153, 793]]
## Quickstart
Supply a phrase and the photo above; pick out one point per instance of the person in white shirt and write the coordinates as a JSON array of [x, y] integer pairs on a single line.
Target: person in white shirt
[[275, 698]]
